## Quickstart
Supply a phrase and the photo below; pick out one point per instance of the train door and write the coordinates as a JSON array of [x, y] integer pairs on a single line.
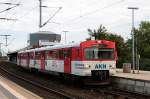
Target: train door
[[67, 60], [19, 59], [27, 57], [42, 61]]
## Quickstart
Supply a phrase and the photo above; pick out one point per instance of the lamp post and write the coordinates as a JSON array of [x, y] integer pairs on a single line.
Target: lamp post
[[0, 49], [133, 44], [65, 35]]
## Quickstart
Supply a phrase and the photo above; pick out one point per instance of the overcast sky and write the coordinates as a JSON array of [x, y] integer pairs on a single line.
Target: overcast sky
[[76, 16]]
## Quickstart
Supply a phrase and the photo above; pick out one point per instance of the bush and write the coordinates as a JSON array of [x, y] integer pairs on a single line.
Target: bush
[[145, 64]]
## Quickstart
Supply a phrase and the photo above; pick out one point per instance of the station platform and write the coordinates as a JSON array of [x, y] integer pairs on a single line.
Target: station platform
[[133, 82], [10, 90], [141, 75]]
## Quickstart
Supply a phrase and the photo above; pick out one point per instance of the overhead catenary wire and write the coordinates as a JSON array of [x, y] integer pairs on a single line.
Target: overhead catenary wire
[[97, 10], [8, 9], [10, 3], [15, 5], [28, 12], [51, 17], [19, 2], [107, 6]]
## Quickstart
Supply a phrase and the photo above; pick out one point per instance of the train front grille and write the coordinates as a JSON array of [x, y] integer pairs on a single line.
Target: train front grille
[[100, 74]]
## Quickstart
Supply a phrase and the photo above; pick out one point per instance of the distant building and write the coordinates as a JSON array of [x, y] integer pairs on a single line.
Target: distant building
[[35, 40], [45, 36]]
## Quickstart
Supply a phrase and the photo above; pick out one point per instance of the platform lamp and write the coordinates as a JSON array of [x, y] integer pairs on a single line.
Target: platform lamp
[[65, 35], [133, 43], [0, 49]]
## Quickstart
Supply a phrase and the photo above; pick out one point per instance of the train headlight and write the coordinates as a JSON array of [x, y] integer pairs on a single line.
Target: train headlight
[[111, 66], [87, 66]]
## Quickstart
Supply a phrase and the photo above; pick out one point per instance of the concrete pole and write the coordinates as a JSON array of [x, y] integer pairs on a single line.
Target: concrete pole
[[0, 49], [65, 36], [133, 43], [40, 13], [6, 38]]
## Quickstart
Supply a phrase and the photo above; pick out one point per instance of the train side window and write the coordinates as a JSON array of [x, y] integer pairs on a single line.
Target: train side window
[[50, 54], [20, 56], [61, 54], [67, 53], [55, 54], [42, 55], [26, 55], [31, 55], [46, 55], [37, 55], [23, 56]]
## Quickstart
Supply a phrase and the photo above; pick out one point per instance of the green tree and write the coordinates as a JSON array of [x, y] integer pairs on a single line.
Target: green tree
[[143, 38], [142, 35], [100, 33]]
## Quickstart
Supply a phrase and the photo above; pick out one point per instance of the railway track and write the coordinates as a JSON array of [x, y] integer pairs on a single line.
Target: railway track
[[101, 93], [58, 93], [119, 94]]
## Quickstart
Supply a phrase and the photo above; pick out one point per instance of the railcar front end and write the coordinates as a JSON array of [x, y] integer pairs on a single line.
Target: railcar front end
[[98, 62]]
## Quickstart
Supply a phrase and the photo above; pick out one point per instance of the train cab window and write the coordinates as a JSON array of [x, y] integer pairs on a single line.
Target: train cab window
[[88, 53], [98, 53], [106, 53]]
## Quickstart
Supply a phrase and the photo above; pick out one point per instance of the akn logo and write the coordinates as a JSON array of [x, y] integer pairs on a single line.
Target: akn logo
[[100, 66]]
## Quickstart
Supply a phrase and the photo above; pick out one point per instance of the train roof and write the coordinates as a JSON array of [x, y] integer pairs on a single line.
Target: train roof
[[58, 46]]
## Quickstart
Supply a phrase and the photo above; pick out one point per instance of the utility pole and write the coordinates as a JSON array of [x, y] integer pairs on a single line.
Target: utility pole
[[40, 15], [133, 43], [65, 36], [0, 49], [6, 38], [41, 23]]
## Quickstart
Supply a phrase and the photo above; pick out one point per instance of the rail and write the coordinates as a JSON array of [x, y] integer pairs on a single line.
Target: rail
[[65, 96]]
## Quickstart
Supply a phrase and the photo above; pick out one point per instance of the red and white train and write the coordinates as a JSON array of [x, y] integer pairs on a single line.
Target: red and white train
[[94, 60]]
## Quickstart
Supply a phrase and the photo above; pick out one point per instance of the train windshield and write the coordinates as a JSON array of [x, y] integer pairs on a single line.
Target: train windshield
[[98, 53]]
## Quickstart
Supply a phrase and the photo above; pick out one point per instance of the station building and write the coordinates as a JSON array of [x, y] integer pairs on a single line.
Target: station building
[[35, 40]]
